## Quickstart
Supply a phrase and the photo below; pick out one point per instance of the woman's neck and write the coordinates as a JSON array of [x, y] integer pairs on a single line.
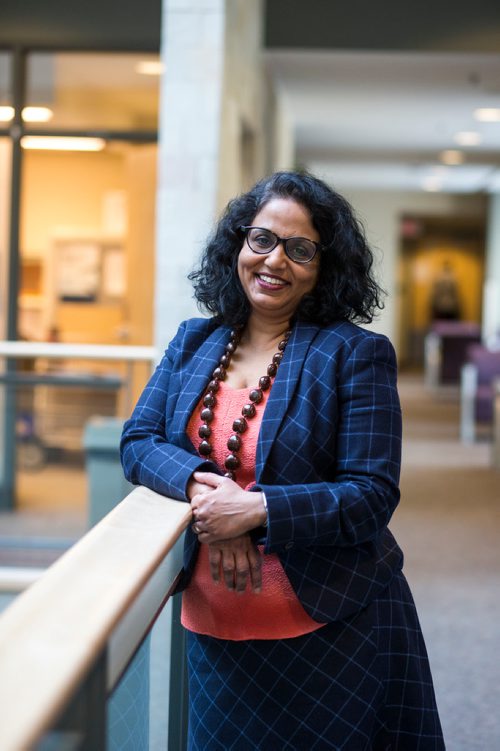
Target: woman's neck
[[262, 333]]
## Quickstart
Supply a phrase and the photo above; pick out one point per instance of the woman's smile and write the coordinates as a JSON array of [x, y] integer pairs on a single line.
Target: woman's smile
[[271, 282]]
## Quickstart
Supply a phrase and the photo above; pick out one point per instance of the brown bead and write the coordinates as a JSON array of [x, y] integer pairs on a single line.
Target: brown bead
[[213, 386], [248, 410], [264, 382], [240, 425], [209, 400], [282, 345], [231, 347], [232, 462], [272, 369], [255, 396], [219, 374], [277, 358], [231, 475], [234, 443], [205, 448], [207, 414], [225, 360], [204, 431]]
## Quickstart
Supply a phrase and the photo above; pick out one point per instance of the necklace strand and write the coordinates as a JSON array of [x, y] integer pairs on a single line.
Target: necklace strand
[[207, 412]]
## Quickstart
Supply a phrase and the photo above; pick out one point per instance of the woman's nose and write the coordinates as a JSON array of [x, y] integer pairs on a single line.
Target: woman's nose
[[277, 258]]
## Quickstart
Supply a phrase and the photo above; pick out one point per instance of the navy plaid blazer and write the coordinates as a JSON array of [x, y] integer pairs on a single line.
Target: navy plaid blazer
[[328, 455]]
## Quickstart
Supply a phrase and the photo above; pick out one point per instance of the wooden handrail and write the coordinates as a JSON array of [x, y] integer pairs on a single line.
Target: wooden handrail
[[54, 631], [15, 349]]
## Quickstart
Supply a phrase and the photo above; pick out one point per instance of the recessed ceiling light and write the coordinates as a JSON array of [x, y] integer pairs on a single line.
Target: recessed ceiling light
[[468, 138], [150, 67], [62, 143], [6, 114], [37, 114], [487, 114], [452, 156], [30, 114], [432, 184]]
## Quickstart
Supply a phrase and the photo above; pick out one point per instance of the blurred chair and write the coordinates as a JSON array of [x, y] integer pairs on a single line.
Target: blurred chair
[[446, 347], [477, 390]]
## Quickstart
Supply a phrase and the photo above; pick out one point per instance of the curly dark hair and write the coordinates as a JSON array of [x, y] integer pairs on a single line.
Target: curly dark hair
[[346, 288]]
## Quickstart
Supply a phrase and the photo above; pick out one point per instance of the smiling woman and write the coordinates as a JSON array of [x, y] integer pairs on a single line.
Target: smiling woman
[[302, 631]]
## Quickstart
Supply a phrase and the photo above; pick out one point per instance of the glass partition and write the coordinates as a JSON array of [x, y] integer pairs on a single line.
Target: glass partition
[[69, 90], [6, 111]]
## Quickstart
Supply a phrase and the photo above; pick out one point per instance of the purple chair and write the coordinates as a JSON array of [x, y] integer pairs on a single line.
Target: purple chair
[[477, 390], [456, 337], [446, 350], [487, 364]]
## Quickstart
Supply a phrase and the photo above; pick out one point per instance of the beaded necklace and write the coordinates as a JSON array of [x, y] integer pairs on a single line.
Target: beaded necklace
[[234, 443]]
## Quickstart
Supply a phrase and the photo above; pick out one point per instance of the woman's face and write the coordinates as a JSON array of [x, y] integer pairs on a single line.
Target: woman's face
[[273, 283]]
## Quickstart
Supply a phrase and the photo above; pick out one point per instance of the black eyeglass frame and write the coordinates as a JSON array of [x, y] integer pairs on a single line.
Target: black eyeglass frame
[[283, 240]]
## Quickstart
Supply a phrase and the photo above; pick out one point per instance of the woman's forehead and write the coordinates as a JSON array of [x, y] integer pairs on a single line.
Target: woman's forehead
[[285, 215]]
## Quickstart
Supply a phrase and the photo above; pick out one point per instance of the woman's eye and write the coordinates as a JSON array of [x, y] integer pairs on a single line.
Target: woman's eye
[[263, 240], [301, 252]]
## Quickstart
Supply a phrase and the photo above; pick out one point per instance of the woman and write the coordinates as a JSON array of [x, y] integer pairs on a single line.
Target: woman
[[278, 420]]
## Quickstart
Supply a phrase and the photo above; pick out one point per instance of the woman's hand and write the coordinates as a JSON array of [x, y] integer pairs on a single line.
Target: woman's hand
[[223, 510], [195, 488], [236, 561]]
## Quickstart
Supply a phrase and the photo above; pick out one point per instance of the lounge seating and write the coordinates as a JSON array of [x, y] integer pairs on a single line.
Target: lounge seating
[[446, 347], [478, 384]]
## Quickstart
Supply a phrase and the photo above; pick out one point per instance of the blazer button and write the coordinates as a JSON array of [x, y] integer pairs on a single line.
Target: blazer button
[[288, 545]]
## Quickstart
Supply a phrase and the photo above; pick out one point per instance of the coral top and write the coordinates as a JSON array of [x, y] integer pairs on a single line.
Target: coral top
[[212, 609]]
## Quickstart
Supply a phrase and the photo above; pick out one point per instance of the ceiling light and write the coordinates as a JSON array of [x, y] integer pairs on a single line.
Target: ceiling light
[[432, 184], [150, 67], [62, 143], [452, 156], [468, 138], [487, 114], [6, 114], [30, 114], [37, 114]]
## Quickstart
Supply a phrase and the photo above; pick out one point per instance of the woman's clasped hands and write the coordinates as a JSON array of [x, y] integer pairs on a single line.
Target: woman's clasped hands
[[223, 514]]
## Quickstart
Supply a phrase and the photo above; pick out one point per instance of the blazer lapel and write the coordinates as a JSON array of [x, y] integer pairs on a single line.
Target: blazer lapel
[[282, 390], [195, 379]]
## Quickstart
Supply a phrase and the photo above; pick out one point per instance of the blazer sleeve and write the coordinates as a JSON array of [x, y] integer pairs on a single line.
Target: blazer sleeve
[[356, 506], [147, 457]]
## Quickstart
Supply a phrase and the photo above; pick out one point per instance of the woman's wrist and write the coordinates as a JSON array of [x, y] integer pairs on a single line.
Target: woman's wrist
[[265, 522]]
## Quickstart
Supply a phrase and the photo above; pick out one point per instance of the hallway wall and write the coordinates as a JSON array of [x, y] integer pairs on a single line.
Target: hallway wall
[[380, 213]]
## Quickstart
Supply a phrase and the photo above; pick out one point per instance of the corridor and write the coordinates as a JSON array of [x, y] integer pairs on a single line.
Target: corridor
[[448, 524]]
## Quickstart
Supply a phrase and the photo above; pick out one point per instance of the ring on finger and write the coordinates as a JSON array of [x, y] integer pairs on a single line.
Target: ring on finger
[[196, 528]]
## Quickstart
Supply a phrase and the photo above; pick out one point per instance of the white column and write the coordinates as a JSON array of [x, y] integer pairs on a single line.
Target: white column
[[491, 295], [5, 164], [193, 54]]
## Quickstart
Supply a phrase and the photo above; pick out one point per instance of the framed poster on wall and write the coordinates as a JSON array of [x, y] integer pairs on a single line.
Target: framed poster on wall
[[78, 271]]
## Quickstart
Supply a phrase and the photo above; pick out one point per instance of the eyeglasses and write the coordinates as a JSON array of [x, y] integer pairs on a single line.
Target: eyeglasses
[[262, 241]]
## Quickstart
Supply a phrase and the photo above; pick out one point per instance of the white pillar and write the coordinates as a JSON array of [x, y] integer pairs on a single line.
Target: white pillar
[[5, 165], [491, 296], [191, 91]]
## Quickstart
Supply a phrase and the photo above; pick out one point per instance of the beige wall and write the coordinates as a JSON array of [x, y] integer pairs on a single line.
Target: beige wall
[[141, 175], [63, 192], [380, 213]]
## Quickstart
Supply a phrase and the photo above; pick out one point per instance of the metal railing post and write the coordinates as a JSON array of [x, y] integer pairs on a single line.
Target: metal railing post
[[178, 704]]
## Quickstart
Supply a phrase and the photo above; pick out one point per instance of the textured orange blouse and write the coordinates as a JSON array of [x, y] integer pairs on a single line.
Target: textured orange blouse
[[212, 609]]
